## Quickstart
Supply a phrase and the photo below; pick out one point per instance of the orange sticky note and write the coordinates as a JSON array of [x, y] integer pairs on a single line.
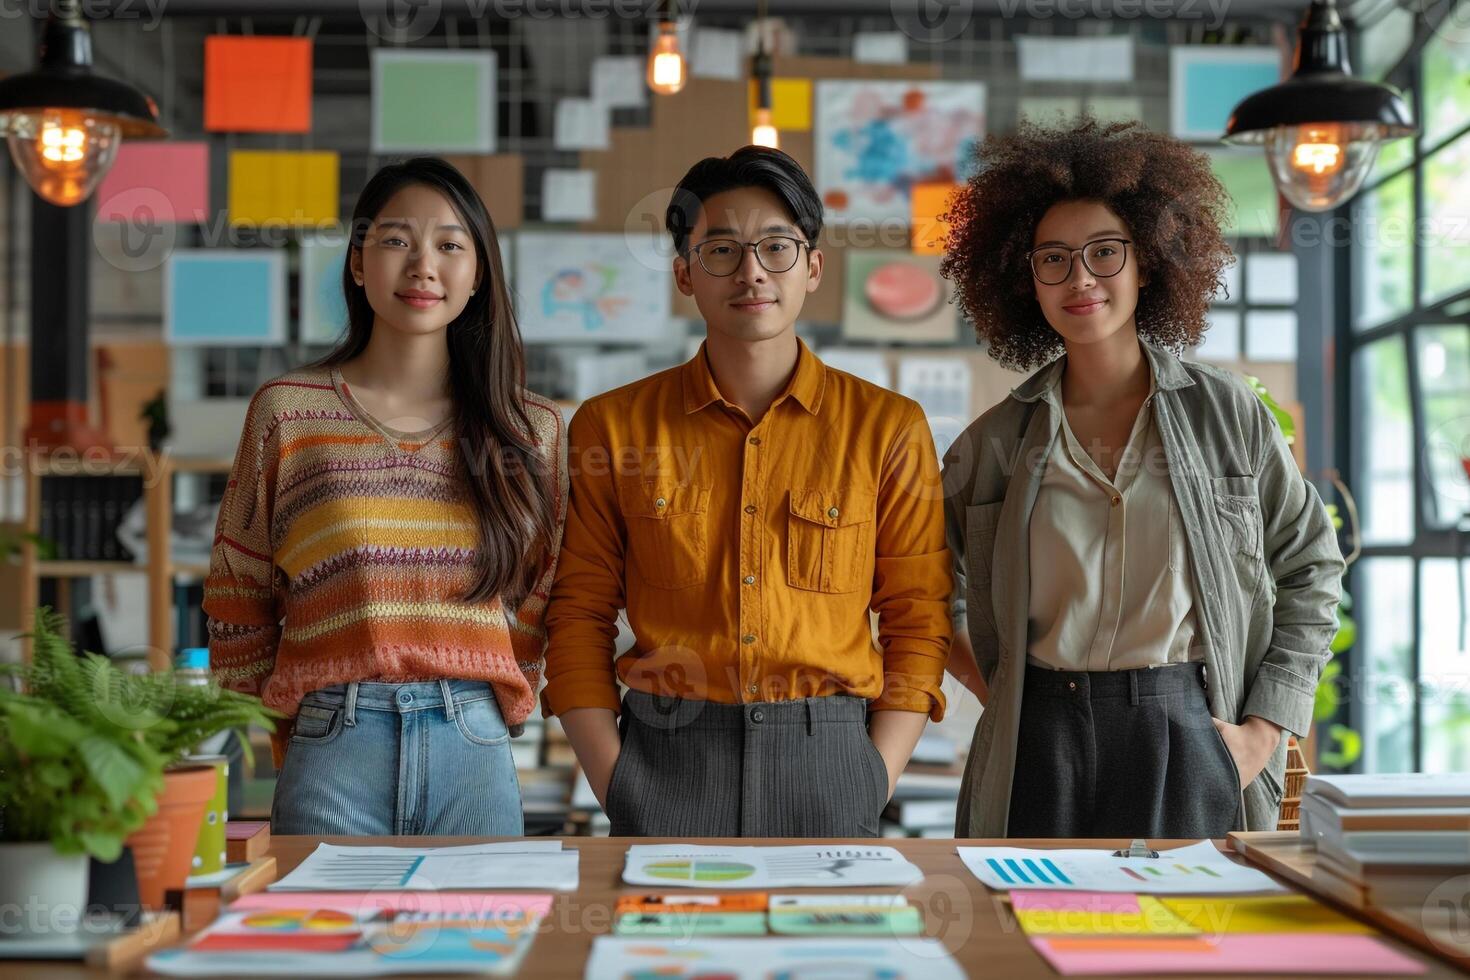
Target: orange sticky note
[[283, 188], [791, 103], [927, 230], [257, 84]]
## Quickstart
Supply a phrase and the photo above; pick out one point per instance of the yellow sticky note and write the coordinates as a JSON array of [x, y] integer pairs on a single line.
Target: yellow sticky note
[[927, 202], [791, 103], [1272, 913], [283, 187], [1121, 915]]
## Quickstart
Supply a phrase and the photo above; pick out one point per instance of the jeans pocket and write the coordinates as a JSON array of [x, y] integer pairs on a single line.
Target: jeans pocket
[[316, 725], [480, 723]]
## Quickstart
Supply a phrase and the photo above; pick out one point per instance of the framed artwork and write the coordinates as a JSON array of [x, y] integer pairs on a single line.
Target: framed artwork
[[876, 139], [897, 296], [589, 288]]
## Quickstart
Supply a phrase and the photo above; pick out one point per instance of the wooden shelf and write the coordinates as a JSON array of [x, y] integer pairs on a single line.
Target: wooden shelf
[[157, 471], [201, 464], [81, 569]]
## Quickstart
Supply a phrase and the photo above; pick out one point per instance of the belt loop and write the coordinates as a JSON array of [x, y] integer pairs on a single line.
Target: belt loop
[[351, 718], [448, 698], [808, 704], [1133, 687]]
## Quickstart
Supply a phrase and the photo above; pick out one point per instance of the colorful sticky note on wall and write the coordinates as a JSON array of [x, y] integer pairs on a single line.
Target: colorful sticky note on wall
[[1207, 81], [433, 101], [323, 308], [225, 297], [156, 183], [283, 188], [791, 103], [929, 202], [257, 84]]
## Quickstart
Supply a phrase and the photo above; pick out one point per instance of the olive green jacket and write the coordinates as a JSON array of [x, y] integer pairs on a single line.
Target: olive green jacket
[[1263, 557]]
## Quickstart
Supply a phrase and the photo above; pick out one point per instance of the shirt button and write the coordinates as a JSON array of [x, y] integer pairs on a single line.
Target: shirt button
[[660, 503], [748, 638], [757, 716], [750, 508], [833, 513], [755, 440], [749, 580], [754, 689], [1117, 500]]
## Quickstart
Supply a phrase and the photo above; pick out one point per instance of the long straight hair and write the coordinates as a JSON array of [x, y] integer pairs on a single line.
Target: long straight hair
[[509, 483]]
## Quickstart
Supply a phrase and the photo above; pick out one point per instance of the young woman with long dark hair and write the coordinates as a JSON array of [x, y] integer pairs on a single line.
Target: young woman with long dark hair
[[390, 530]]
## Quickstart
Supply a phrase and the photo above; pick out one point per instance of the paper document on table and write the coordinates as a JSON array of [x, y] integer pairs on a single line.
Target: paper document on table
[[704, 866], [1196, 869], [513, 864]]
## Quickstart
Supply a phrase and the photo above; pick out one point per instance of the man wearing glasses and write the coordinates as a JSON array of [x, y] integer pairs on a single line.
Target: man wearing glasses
[[748, 509]]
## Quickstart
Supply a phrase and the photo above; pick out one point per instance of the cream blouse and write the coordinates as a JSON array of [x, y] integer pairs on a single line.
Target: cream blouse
[[1110, 585]]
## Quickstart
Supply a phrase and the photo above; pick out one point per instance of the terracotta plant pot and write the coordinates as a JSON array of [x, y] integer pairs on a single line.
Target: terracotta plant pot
[[163, 848]]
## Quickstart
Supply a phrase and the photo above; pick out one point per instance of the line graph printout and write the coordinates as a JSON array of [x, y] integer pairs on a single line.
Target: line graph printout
[[515, 864]]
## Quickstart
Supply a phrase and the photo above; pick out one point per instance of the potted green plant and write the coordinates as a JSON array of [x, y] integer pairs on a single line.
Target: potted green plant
[[96, 759]]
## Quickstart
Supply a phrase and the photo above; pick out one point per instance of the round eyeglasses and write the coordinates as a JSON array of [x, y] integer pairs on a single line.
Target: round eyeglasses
[[722, 256], [1104, 258]]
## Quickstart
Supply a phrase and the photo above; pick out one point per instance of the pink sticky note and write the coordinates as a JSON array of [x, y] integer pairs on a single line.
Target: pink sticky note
[[1093, 903], [1294, 953], [479, 904], [156, 183]]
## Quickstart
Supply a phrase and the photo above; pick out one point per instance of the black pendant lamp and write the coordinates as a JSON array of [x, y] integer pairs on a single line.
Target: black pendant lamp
[[1322, 127], [62, 121]]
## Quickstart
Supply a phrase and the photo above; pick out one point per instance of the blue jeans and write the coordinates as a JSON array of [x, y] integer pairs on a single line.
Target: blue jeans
[[395, 759]]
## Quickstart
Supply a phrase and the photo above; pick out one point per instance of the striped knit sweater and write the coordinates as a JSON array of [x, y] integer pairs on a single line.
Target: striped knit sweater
[[344, 547]]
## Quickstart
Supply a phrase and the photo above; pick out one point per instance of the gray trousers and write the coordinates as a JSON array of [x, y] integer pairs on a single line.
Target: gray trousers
[[1127, 753], [803, 768]]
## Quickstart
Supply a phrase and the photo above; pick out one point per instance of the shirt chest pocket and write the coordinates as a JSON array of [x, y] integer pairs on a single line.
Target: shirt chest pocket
[[667, 533], [829, 540]]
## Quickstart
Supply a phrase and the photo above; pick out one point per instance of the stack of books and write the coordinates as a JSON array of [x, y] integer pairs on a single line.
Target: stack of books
[[80, 515], [1388, 839]]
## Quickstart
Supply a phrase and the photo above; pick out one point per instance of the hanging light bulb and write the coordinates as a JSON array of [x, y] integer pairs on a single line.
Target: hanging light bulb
[[764, 133], [63, 153], [763, 126], [1321, 128], [63, 123], [667, 70]]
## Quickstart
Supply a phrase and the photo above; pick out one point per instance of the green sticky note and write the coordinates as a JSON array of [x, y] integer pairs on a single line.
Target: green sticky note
[[681, 925], [900, 921]]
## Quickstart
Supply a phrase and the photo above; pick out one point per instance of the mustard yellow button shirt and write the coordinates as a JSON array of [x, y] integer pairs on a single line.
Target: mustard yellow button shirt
[[748, 556]]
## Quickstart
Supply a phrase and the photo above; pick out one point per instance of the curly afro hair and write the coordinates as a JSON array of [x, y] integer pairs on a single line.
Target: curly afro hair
[[1163, 189]]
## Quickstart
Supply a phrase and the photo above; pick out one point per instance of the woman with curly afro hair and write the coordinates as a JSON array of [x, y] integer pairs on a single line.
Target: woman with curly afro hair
[[1146, 583]]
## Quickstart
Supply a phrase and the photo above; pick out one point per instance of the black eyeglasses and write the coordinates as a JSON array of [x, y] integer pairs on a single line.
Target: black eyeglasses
[[722, 256], [1104, 258]]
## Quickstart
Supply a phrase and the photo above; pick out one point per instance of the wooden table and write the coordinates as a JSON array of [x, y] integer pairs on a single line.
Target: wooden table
[[973, 922], [1439, 928]]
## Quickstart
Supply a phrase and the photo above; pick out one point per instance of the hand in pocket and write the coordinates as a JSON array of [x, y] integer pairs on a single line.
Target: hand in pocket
[[1251, 745]]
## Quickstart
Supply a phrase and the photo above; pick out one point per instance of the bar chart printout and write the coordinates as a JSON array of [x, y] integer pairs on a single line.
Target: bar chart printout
[[1194, 869]]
